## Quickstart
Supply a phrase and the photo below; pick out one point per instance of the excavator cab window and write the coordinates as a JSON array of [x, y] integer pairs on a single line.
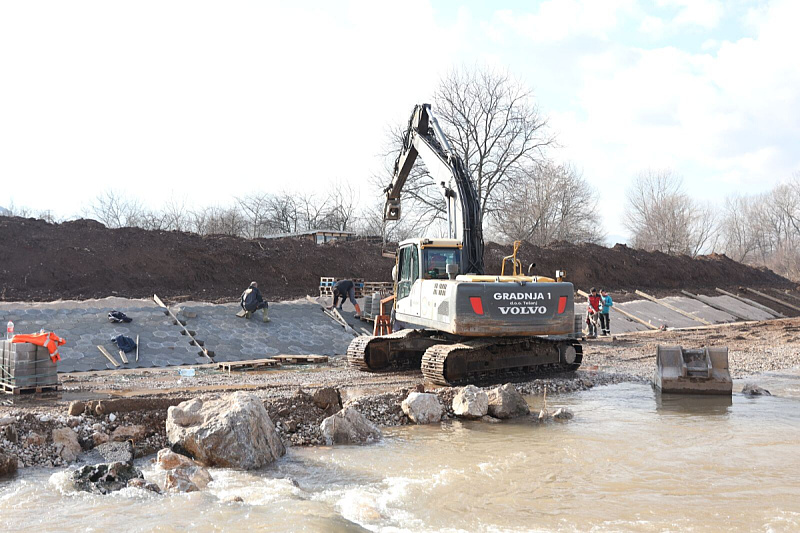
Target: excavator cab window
[[435, 261], [409, 270]]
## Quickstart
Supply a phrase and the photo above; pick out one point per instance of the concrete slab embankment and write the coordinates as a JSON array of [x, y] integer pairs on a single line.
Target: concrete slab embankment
[[658, 315], [297, 328]]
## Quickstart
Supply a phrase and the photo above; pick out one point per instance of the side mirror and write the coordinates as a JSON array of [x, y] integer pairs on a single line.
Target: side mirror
[[394, 273], [452, 270]]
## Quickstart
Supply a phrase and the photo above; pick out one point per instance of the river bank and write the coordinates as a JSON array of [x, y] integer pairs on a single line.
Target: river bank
[[628, 461], [28, 423]]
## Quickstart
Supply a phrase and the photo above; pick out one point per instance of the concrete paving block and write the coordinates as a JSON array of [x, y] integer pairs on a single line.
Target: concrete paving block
[[743, 309]]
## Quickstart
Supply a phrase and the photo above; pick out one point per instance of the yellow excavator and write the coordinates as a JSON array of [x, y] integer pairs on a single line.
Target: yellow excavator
[[457, 323]]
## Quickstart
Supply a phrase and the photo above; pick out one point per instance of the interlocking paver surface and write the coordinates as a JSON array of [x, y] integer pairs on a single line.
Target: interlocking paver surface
[[297, 328]]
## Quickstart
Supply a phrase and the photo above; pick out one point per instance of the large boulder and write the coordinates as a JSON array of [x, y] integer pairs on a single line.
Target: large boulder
[[423, 408], [349, 426], [507, 402], [105, 478], [65, 441], [471, 402], [234, 431], [8, 464]]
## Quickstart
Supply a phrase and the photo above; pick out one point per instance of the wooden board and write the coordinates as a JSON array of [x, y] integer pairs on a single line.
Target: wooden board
[[108, 355], [787, 293], [673, 308], [752, 303], [248, 365], [772, 298], [715, 305], [301, 359]]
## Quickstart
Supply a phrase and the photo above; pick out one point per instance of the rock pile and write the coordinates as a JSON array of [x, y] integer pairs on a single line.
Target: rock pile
[[50, 439], [105, 478]]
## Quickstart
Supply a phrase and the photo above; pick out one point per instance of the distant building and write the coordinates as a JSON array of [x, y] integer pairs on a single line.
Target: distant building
[[319, 236]]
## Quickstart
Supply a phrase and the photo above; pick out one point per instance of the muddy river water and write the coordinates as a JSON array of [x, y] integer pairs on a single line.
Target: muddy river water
[[630, 460]]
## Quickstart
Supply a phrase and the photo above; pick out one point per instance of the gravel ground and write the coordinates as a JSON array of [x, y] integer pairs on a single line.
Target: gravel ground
[[26, 424]]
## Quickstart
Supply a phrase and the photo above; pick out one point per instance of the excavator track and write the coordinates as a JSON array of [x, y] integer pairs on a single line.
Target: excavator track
[[487, 360], [395, 351]]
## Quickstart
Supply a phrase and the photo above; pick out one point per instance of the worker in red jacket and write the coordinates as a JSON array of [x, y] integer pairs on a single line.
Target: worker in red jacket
[[593, 312]]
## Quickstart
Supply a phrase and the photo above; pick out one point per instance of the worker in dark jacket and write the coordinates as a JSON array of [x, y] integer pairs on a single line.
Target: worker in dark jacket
[[252, 301], [345, 288]]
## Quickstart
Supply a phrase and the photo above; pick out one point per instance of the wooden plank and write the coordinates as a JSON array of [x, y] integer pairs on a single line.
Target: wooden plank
[[626, 313], [341, 320], [186, 331], [772, 298], [673, 308], [787, 293], [302, 358], [253, 363], [752, 303], [108, 355], [715, 305], [123, 357]]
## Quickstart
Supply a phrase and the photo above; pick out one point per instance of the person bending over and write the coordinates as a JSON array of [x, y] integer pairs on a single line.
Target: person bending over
[[345, 288]]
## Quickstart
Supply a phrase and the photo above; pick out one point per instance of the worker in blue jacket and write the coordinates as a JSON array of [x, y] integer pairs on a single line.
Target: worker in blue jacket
[[605, 319]]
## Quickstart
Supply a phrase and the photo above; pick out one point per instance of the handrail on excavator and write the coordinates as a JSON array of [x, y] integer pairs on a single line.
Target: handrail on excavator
[[516, 263]]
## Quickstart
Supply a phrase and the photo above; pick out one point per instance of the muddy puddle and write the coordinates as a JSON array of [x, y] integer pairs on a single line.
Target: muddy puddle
[[630, 460]]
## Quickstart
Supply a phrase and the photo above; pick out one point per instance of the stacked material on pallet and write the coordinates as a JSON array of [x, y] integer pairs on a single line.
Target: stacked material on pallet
[[326, 286], [24, 365]]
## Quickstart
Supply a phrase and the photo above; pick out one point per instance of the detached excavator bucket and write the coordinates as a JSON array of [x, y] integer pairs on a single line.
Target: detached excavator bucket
[[697, 371]]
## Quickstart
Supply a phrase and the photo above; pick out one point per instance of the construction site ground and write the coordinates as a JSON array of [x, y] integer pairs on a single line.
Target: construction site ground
[[753, 348]]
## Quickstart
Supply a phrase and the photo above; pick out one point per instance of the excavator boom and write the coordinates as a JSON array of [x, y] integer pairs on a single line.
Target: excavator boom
[[425, 137]]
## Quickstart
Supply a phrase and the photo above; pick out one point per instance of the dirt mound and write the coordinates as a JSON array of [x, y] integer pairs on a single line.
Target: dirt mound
[[84, 259], [624, 268]]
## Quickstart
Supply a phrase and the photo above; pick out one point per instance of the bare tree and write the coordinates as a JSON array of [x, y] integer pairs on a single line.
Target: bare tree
[[493, 124], [661, 216], [255, 208], [115, 210], [216, 220], [547, 203], [312, 211], [283, 214], [175, 214], [342, 207]]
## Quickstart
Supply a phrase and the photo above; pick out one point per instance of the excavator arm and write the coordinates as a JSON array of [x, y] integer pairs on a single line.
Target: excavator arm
[[424, 137]]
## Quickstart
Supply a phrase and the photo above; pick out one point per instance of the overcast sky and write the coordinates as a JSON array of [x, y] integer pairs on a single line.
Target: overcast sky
[[203, 101]]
